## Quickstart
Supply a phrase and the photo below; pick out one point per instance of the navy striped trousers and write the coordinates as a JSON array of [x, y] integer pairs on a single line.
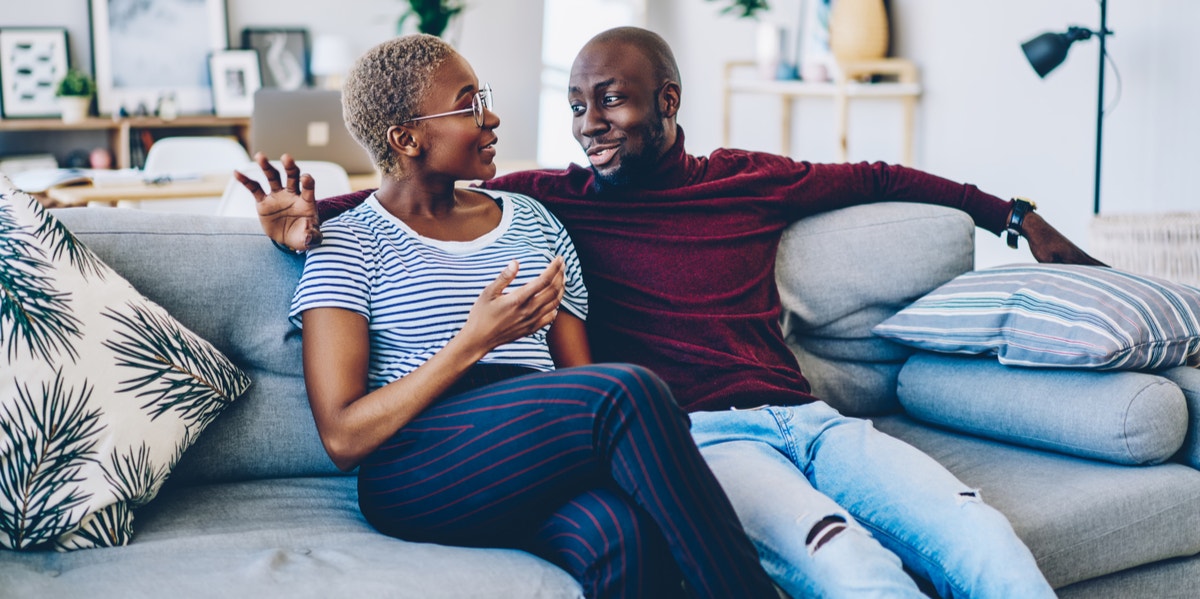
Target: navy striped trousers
[[592, 468]]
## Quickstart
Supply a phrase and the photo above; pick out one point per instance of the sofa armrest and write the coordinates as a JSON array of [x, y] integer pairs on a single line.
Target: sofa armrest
[[1188, 380], [1120, 417], [843, 272]]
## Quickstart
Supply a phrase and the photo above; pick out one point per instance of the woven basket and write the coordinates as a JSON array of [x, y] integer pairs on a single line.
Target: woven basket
[[1164, 245]]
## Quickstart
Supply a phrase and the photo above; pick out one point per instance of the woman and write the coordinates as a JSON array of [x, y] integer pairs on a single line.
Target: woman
[[464, 396]]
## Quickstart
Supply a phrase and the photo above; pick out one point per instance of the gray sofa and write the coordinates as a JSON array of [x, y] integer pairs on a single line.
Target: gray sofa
[[255, 508]]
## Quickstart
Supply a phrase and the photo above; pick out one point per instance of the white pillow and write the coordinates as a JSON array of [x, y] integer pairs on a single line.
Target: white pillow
[[101, 391]]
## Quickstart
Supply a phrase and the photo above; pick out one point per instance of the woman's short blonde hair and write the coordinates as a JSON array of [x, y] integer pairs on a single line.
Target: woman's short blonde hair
[[385, 87]]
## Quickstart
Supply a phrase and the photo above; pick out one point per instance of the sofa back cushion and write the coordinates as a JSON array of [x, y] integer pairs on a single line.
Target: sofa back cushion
[[843, 272], [223, 279]]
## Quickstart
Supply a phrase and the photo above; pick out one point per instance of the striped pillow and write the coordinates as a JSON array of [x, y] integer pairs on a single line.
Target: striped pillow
[[1056, 315]]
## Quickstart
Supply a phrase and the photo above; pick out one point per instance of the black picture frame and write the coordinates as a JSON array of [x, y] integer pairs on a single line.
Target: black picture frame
[[32, 62], [284, 55]]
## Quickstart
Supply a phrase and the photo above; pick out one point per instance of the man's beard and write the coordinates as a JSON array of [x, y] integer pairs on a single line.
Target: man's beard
[[634, 168]]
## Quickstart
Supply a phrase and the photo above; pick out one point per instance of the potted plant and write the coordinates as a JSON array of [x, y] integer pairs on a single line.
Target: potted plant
[[745, 8], [74, 93], [433, 16]]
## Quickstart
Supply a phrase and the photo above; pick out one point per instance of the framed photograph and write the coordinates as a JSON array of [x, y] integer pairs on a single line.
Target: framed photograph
[[146, 49], [283, 56], [235, 78], [32, 61]]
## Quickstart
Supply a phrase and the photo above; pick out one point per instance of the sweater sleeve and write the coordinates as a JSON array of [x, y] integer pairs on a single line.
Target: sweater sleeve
[[828, 186], [330, 207]]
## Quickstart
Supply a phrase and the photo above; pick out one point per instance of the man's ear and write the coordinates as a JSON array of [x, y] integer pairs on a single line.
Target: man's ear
[[403, 141], [668, 100]]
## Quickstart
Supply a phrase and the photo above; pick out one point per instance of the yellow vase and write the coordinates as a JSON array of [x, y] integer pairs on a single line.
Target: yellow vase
[[858, 30]]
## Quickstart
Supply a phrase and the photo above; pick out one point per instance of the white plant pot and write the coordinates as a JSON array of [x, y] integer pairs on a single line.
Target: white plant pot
[[74, 108]]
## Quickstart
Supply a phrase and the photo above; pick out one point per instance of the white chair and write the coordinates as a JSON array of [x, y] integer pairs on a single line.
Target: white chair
[[331, 180], [183, 157]]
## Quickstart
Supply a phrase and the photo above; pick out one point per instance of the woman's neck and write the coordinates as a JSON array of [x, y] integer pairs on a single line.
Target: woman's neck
[[427, 199]]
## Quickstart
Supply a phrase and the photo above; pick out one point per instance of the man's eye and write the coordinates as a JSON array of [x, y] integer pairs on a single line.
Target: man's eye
[[577, 109], [612, 99]]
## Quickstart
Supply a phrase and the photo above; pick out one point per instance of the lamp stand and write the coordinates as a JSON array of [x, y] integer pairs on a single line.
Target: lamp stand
[[1100, 103]]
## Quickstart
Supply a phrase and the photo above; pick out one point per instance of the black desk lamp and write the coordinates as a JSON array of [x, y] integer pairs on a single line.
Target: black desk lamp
[[1048, 50]]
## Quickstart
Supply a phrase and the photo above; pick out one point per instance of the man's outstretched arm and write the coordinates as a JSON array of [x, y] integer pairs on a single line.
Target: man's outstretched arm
[[1048, 245], [289, 213]]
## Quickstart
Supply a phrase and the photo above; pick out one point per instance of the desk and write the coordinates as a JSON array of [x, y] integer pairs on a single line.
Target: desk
[[844, 87], [208, 187], [120, 131], [81, 195]]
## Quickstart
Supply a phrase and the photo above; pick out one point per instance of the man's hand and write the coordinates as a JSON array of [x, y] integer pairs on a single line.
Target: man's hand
[[288, 213], [1048, 245]]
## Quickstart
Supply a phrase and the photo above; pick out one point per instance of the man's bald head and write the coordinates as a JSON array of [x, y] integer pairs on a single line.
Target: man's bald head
[[649, 44]]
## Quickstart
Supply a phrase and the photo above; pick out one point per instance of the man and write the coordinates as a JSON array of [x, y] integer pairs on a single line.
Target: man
[[678, 253]]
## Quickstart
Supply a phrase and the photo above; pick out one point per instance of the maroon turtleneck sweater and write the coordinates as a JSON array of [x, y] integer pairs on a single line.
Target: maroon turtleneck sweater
[[680, 272]]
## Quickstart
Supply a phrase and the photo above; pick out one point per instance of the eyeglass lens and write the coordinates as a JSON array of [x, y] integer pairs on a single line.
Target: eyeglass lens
[[482, 100]]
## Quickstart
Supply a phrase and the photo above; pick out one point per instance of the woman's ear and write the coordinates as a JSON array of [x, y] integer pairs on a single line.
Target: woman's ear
[[403, 141], [668, 100]]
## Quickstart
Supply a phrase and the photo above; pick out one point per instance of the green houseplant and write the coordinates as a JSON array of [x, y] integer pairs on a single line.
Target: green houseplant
[[744, 8], [433, 16], [75, 91]]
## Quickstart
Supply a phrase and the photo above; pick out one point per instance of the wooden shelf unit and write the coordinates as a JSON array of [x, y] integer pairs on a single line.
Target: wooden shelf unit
[[120, 131], [845, 86]]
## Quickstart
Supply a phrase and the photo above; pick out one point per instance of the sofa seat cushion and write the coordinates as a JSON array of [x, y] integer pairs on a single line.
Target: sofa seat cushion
[[298, 537], [1080, 518]]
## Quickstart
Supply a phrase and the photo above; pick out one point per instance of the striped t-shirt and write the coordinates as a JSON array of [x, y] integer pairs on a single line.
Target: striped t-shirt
[[416, 292]]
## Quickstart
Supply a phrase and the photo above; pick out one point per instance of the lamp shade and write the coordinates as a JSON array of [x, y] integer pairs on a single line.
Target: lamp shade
[[1046, 51]]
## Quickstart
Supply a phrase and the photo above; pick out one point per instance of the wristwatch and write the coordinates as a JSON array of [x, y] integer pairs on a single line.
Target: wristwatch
[[1021, 207]]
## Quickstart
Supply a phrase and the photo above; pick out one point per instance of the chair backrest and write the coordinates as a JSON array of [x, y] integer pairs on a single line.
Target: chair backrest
[[331, 180], [175, 156]]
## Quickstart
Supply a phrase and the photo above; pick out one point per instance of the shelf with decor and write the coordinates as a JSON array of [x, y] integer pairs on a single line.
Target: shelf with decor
[[851, 80], [121, 131]]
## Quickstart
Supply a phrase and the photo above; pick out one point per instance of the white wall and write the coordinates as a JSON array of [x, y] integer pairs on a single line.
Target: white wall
[[985, 117]]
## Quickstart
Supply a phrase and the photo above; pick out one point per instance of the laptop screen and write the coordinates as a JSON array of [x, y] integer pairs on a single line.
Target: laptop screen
[[306, 123]]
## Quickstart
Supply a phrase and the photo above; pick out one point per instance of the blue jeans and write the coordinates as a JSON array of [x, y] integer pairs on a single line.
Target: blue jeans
[[790, 469]]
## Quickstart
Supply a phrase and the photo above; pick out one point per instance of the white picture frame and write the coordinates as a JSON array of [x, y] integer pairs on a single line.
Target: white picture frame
[[235, 78], [32, 62], [145, 50]]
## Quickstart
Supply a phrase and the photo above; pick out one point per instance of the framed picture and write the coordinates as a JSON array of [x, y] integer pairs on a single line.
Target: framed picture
[[235, 78], [146, 49], [283, 56], [32, 61]]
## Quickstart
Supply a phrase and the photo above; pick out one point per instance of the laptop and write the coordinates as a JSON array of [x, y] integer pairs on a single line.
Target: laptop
[[306, 123]]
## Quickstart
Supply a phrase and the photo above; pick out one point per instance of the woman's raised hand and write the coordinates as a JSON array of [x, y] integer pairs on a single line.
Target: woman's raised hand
[[289, 212], [498, 317]]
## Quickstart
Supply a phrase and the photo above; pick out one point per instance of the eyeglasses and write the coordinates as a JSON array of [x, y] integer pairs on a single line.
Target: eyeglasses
[[481, 100]]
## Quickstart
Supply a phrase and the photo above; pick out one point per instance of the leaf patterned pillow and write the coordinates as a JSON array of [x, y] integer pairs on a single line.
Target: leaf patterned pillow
[[101, 391]]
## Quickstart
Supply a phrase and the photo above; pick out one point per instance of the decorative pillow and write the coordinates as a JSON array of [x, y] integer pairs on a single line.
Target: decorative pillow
[[1057, 315], [101, 391]]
